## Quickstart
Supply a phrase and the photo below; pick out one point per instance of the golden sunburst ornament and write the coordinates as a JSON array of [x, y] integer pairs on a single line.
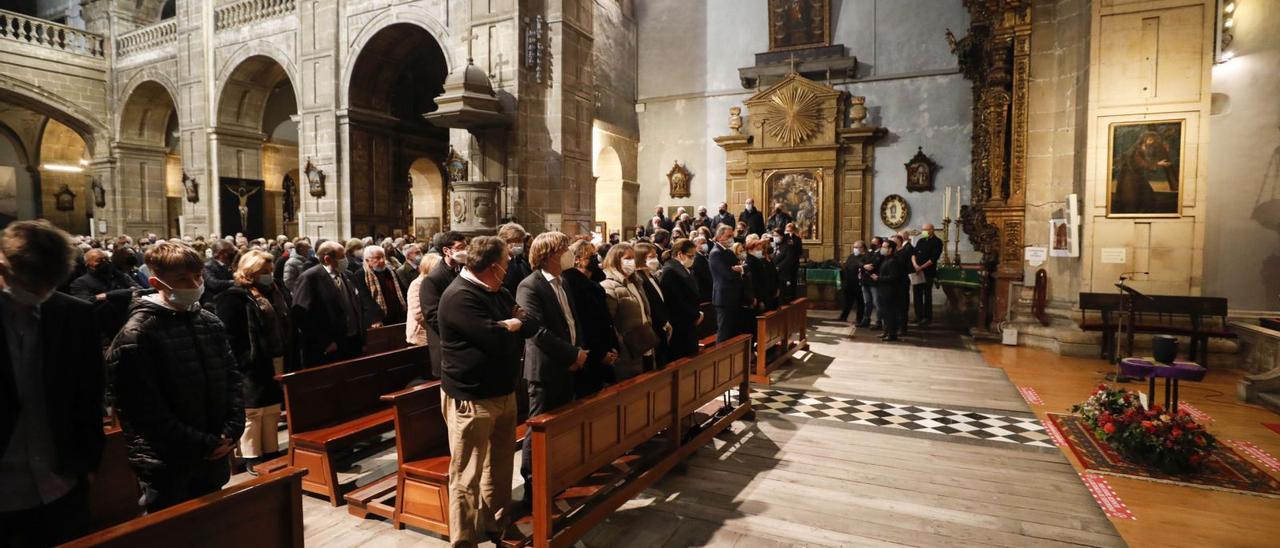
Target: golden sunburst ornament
[[793, 115]]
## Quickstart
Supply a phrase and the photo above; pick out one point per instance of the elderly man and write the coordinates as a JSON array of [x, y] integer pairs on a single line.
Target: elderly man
[[723, 217], [379, 289], [299, 261], [408, 270], [108, 289], [661, 213], [727, 287], [519, 268], [753, 217], [928, 250], [328, 309], [557, 348], [218, 269], [701, 219], [483, 335], [51, 386]]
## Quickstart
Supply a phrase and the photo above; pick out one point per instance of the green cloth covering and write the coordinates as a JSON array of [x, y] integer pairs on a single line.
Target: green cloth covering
[[950, 275], [822, 276]]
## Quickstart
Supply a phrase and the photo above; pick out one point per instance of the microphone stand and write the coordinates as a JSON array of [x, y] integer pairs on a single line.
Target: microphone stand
[[1128, 306]]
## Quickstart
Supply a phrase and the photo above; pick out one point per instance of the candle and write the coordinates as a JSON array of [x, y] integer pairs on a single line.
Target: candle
[[946, 202], [957, 202]]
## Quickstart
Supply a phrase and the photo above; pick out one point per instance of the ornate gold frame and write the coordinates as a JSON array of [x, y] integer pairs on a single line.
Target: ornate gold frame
[[826, 28], [819, 178]]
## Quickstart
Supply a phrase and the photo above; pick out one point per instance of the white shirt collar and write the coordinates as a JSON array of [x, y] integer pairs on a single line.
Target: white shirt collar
[[470, 276]]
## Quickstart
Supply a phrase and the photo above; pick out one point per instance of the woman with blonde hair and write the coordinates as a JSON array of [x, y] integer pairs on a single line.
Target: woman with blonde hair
[[255, 313], [415, 326], [630, 311]]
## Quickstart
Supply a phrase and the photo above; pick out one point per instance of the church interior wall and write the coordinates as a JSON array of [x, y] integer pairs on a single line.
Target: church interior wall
[[689, 59], [1242, 233]]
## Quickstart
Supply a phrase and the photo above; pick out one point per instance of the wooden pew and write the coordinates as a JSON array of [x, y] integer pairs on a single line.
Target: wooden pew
[[707, 329], [779, 333], [593, 455], [1162, 314], [385, 339], [262, 512], [334, 407]]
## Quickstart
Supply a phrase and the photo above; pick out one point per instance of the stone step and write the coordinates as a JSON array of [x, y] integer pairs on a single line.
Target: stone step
[[1270, 400]]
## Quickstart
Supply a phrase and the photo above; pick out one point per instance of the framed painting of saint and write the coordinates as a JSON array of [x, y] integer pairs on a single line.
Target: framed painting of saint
[[799, 191], [799, 24], [1144, 168]]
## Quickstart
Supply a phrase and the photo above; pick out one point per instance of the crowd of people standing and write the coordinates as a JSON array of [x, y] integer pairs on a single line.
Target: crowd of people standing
[[181, 340]]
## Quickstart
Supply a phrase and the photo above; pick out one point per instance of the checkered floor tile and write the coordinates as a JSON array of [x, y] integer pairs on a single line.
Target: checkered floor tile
[[969, 424]]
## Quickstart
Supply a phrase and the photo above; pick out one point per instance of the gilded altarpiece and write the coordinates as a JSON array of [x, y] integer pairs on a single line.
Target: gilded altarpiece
[[995, 57], [797, 148]]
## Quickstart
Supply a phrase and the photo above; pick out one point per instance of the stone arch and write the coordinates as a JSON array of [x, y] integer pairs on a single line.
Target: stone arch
[[243, 92], [609, 195], [84, 122], [153, 75], [19, 201], [429, 190], [405, 13], [145, 113], [250, 50]]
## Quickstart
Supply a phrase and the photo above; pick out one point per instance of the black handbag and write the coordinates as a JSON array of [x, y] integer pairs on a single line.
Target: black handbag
[[640, 340]]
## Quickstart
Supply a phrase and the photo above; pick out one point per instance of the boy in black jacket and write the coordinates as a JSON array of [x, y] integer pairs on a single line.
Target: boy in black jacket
[[175, 386]]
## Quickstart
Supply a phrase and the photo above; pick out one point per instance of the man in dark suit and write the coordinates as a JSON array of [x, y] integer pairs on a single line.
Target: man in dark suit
[[51, 387], [787, 261], [518, 269], [726, 291], [108, 289], [701, 269], [753, 217], [723, 217], [554, 353], [903, 256], [850, 274], [778, 219], [453, 245], [663, 221], [218, 270], [328, 309], [928, 250], [647, 266], [681, 292]]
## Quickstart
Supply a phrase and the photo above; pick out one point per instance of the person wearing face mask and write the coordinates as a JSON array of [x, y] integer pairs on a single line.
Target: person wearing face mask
[[379, 290], [849, 284], [408, 270], [175, 385], [108, 289], [519, 268], [556, 350], [415, 322], [888, 279], [787, 261], [217, 270], [592, 312], [702, 220], [453, 247], [328, 309], [299, 261], [701, 269], [482, 331], [681, 292], [723, 217], [50, 439], [355, 255], [647, 267], [928, 250], [757, 279], [778, 219], [256, 315], [753, 217], [727, 288], [625, 299], [904, 254]]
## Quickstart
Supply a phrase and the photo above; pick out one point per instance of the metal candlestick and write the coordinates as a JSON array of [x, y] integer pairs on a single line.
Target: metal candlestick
[[946, 237]]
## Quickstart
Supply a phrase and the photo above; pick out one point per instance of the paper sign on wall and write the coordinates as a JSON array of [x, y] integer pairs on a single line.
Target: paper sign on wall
[[1114, 255], [1036, 255]]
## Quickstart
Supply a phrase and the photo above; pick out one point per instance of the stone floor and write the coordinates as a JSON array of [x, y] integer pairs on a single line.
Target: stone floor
[[859, 443]]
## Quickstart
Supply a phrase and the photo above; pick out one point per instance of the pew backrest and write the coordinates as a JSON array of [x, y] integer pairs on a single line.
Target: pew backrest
[[339, 391], [420, 426], [385, 339], [262, 512]]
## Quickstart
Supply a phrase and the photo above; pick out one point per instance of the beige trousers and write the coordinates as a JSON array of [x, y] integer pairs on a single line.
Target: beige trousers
[[261, 434], [482, 437]]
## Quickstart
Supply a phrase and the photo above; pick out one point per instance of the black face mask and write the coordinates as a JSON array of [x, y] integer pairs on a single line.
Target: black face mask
[[103, 268]]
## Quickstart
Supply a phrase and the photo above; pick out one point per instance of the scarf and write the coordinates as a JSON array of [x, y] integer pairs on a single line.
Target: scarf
[[375, 289]]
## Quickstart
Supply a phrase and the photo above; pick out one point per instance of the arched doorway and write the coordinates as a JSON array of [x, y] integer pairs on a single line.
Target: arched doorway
[[149, 171], [609, 195], [396, 77], [64, 184], [257, 146], [429, 195], [17, 189]]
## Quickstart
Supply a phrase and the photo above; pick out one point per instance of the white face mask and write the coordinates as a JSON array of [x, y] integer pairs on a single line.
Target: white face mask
[[460, 257], [777, 240], [885, 251], [342, 264], [517, 249], [264, 280], [857, 251], [757, 254], [628, 267], [181, 298], [652, 264], [566, 261]]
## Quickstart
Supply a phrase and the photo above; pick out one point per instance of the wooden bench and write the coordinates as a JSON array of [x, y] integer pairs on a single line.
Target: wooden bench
[[262, 512], [593, 455], [334, 407], [778, 334], [114, 493], [707, 329], [384, 339], [417, 493], [1162, 314]]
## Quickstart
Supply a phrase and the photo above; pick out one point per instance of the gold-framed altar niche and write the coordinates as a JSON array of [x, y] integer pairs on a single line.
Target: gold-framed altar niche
[[1135, 150], [801, 191]]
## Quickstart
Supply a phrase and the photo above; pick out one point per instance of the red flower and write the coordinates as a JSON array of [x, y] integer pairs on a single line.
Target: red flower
[[1177, 431], [1109, 428]]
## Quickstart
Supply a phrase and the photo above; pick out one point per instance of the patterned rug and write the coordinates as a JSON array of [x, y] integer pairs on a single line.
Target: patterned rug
[[1225, 470]]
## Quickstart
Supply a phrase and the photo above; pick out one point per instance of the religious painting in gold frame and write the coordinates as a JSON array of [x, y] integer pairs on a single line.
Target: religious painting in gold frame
[[1144, 168], [800, 193], [799, 24]]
